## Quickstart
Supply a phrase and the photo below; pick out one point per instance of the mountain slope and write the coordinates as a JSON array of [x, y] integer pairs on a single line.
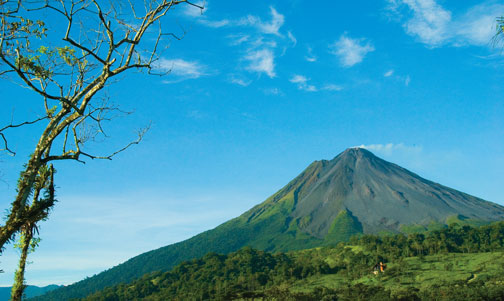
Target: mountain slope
[[383, 196], [328, 202]]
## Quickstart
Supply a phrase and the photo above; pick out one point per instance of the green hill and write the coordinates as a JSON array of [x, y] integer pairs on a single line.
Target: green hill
[[344, 226], [354, 193], [457, 263]]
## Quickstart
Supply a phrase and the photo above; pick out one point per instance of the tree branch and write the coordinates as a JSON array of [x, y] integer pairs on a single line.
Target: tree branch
[[6, 146]]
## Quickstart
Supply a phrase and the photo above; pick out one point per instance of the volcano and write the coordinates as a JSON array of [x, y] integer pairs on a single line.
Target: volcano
[[382, 196], [331, 200]]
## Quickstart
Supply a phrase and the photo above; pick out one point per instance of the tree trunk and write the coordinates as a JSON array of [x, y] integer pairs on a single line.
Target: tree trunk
[[19, 285]]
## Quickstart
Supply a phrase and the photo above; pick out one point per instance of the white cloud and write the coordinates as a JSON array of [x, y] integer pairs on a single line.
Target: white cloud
[[262, 61], [292, 38], [412, 157], [298, 79], [238, 39], [181, 68], [390, 148], [263, 42], [430, 21], [388, 73], [214, 24], [272, 27], [302, 83], [350, 51], [436, 26], [479, 31], [260, 46], [240, 81], [477, 25]]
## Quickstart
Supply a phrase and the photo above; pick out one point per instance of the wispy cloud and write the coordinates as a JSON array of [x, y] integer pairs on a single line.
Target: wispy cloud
[[261, 45], [181, 69], [436, 26], [271, 27], [310, 57], [391, 74], [240, 81], [298, 79], [302, 83], [390, 148], [273, 91], [407, 80], [261, 61], [263, 42], [429, 21], [292, 38], [238, 39], [477, 25], [332, 87], [350, 51], [214, 24]]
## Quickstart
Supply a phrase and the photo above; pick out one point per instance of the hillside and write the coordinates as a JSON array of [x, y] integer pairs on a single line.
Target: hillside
[[354, 193], [457, 263]]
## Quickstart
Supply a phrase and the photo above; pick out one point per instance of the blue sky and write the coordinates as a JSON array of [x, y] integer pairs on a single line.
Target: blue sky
[[257, 91]]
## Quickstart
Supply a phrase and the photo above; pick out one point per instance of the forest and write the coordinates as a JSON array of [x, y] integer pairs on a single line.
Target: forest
[[454, 263]]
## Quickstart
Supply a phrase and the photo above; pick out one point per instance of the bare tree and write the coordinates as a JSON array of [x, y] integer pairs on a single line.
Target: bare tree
[[101, 40]]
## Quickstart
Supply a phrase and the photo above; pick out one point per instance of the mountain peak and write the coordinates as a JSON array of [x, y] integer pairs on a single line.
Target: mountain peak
[[381, 195], [357, 150], [353, 155]]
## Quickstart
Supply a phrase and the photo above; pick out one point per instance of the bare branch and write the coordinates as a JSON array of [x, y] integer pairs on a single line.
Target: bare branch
[[23, 123], [6, 146], [141, 133], [74, 155]]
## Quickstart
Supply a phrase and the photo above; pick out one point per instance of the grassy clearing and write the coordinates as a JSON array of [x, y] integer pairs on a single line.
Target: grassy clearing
[[418, 272]]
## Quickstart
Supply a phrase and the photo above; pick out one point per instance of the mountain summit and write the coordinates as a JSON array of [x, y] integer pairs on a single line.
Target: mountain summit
[[382, 196], [356, 192], [373, 195]]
